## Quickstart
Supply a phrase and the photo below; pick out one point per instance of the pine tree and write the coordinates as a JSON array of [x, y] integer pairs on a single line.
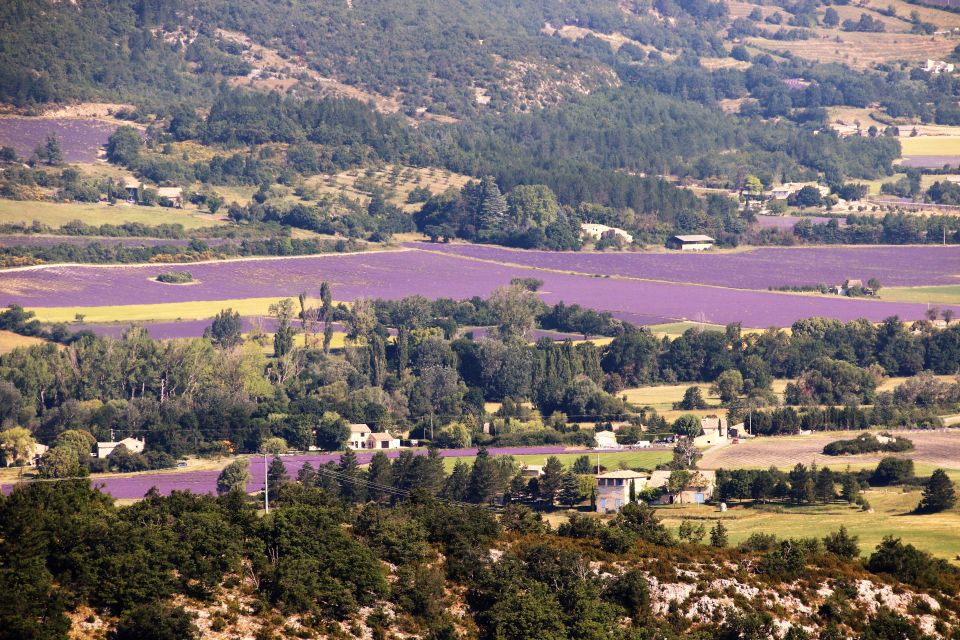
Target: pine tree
[[582, 466], [571, 492], [482, 478], [276, 474], [824, 485], [939, 494], [849, 488], [718, 536], [493, 206], [552, 479], [458, 484], [351, 489], [380, 476], [307, 476]]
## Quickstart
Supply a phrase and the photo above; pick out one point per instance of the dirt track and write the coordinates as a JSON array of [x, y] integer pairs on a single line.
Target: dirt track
[[936, 448]]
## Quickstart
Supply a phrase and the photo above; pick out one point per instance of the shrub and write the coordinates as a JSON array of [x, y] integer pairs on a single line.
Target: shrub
[[175, 277], [156, 621], [892, 471]]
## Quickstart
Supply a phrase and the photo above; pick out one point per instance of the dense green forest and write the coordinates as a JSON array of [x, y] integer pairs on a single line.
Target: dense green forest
[[329, 557], [631, 115]]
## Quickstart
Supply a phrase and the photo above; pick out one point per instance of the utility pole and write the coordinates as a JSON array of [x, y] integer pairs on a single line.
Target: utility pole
[[266, 485]]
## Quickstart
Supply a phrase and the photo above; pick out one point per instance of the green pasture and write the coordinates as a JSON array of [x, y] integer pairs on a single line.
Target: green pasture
[[944, 294], [57, 214], [612, 460], [936, 533]]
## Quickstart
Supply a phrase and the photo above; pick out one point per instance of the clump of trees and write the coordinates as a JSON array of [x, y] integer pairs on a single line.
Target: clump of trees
[[868, 443]]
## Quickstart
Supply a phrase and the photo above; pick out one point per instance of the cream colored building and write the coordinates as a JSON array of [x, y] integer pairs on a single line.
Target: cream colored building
[[613, 488]]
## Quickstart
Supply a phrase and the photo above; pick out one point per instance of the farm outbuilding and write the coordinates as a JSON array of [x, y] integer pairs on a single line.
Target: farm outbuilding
[[133, 445], [697, 242], [383, 440]]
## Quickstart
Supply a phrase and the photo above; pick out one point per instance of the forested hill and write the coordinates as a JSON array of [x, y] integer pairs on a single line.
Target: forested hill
[[606, 103]]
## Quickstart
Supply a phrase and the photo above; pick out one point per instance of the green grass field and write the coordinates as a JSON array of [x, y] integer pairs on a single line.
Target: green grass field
[[612, 460], [936, 533], [56, 214], [946, 294]]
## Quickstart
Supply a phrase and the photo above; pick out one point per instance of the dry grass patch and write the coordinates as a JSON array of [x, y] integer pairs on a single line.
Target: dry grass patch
[[861, 50], [10, 341], [168, 311], [397, 181], [931, 145]]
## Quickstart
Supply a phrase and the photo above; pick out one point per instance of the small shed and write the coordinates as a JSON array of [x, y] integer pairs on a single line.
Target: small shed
[[696, 242], [606, 440], [173, 194], [133, 445]]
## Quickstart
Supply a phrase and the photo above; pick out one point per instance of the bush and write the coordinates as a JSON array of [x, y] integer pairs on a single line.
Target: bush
[[156, 621], [892, 471], [175, 277]]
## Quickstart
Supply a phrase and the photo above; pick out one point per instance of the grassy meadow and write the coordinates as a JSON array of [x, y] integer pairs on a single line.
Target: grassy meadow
[[947, 294], [936, 533], [57, 214], [612, 460]]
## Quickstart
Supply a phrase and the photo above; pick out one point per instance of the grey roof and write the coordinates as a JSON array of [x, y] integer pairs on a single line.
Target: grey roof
[[695, 238]]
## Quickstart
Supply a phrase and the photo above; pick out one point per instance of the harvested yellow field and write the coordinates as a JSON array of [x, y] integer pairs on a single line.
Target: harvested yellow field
[[662, 397], [193, 310], [931, 145], [10, 341]]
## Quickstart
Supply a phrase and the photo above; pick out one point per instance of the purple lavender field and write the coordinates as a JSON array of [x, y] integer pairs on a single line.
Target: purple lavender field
[[930, 162], [395, 274], [136, 486], [751, 269], [80, 139]]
